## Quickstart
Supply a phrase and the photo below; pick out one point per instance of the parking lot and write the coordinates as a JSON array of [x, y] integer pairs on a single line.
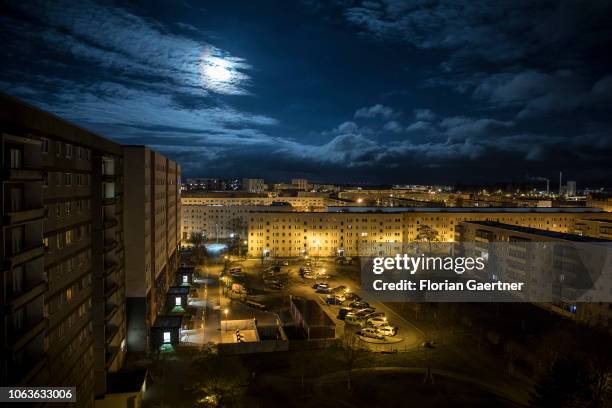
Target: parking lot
[[266, 285]]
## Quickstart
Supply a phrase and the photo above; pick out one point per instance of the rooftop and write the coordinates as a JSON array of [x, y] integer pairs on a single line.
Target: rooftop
[[467, 210], [168, 322], [178, 290], [534, 231]]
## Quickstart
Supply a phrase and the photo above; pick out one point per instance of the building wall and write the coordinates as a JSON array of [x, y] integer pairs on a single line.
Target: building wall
[[525, 261], [220, 221], [325, 233], [63, 318], [298, 203], [152, 226]]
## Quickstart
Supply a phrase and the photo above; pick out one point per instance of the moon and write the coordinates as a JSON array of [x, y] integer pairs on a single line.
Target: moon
[[217, 72]]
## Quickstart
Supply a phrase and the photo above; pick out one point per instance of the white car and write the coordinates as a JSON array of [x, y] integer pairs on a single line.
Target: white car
[[387, 330], [377, 321], [372, 333]]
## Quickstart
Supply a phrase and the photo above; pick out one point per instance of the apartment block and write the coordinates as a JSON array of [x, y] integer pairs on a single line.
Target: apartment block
[[253, 185], [222, 221], [596, 228], [522, 255], [152, 225], [63, 311], [344, 230]]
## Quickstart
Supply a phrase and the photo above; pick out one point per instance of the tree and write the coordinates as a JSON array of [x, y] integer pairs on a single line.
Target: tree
[[567, 384], [427, 234], [598, 356], [348, 352], [197, 239], [223, 380]]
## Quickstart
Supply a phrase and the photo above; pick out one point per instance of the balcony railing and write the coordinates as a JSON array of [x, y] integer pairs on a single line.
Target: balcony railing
[[21, 216], [22, 174], [25, 255], [27, 295], [32, 329]]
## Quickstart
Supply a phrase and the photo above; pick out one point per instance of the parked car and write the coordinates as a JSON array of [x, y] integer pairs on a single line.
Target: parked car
[[376, 321], [371, 333], [353, 296], [338, 289], [343, 312], [332, 300], [353, 320], [387, 330], [359, 304], [365, 311], [320, 285], [374, 314], [322, 290]]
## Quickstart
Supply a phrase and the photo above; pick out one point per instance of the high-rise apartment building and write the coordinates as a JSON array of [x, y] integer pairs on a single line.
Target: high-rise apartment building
[[301, 184], [63, 313], [253, 185], [152, 225]]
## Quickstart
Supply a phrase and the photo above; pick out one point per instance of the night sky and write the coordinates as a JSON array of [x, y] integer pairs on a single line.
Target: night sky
[[345, 91]]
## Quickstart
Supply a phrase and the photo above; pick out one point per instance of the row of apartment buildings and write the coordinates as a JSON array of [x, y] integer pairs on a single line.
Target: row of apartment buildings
[[76, 211], [347, 229]]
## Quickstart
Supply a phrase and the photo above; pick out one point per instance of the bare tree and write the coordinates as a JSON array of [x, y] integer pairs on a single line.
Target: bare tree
[[348, 352], [427, 234]]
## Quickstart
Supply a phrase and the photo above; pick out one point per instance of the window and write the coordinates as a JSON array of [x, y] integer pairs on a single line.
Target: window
[[68, 237], [68, 207], [44, 145], [16, 199], [17, 279], [16, 240], [58, 149], [18, 319], [68, 294], [68, 150], [166, 337], [67, 179], [79, 152], [16, 158], [46, 242], [45, 180]]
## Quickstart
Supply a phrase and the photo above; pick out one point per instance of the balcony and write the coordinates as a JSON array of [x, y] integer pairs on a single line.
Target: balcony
[[110, 244], [22, 174], [23, 337], [111, 354], [109, 310], [111, 332], [26, 370], [28, 295], [110, 267], [109, 201], [110, 289], [24, 256], [109, 222], [21, 216]]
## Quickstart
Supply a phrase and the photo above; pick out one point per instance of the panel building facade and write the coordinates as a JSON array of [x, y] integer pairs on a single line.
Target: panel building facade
[[344, 230], [63, 312], [152, 225]]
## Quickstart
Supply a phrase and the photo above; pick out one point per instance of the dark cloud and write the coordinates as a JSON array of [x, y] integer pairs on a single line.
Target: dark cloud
[[380, 91]]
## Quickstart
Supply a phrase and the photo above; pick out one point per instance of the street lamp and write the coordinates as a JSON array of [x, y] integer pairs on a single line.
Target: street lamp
[[226, 311]]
